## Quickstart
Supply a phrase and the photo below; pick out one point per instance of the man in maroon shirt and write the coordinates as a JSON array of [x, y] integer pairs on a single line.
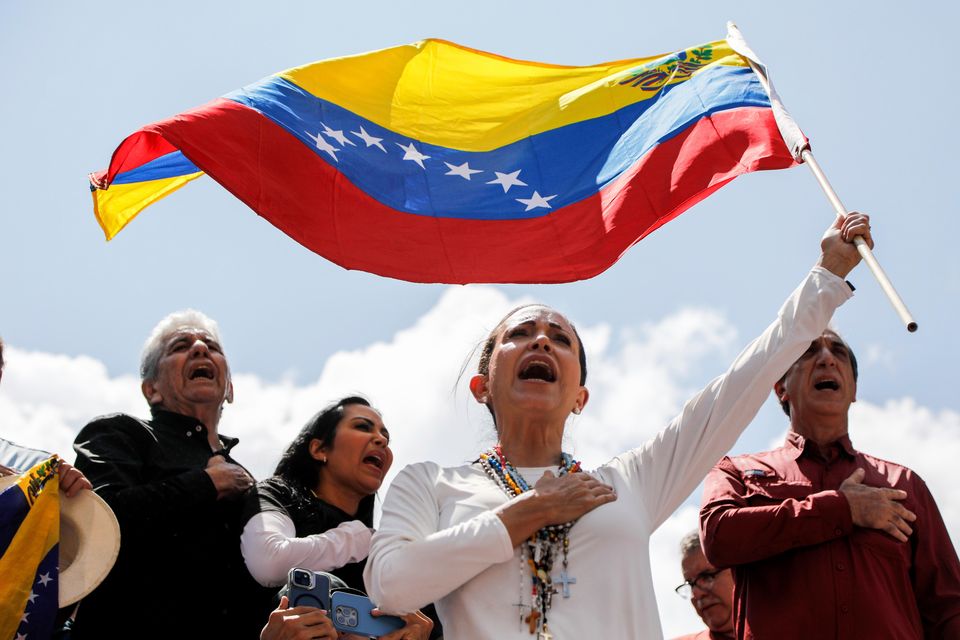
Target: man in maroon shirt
[[709, 589], [826, 541]]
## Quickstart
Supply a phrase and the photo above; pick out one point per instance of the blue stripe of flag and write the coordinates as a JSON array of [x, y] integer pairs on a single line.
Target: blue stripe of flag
[[41, 613], [166, 166], [571, 163]]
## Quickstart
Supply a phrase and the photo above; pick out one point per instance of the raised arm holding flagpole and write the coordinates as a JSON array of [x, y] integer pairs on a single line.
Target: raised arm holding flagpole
[[800, 148]]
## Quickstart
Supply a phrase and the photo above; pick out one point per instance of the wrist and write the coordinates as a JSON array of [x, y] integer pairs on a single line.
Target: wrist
[[523, 515], [837, 266]]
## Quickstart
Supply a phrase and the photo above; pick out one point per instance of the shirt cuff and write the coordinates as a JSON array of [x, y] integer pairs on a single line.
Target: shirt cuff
[[200, 484], [835, 510]]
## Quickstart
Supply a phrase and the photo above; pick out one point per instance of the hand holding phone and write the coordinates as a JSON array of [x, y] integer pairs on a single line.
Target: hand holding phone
[[351, 614]]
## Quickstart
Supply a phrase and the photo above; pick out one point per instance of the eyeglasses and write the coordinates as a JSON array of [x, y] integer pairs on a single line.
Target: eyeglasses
[[704, 580]]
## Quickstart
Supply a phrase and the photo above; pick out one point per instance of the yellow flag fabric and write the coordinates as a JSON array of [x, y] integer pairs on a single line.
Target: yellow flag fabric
[[29, 537]]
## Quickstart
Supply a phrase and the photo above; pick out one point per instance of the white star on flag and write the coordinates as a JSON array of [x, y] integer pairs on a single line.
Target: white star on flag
[[337, 135], [20, 636], [324, 146], [370, 140], [411, 153], [32, 597], [44, 579], [536, 200], [463, 170], [23, 618], [507, 180]]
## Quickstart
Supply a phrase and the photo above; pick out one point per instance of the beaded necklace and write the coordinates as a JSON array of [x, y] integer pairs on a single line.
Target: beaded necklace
[[540, 550]]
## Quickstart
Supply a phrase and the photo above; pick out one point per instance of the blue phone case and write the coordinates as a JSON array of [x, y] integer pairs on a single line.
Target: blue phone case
[[350, 613], [316, 594]]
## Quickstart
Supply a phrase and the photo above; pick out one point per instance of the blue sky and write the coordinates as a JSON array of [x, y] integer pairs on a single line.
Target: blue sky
[[869, 86]]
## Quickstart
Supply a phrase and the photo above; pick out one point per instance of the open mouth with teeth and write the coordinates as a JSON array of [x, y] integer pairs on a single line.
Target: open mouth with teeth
[[538, 370], [823, 385], [202, 372]]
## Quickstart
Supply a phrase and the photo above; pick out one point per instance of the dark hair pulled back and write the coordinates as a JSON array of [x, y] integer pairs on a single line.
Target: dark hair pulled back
[[301, 471]]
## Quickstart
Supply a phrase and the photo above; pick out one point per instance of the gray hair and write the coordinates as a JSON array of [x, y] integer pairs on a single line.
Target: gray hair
[[153, 347], [690, 543]]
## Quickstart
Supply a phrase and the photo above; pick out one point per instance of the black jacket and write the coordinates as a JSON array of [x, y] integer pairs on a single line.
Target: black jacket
[[179, 573]]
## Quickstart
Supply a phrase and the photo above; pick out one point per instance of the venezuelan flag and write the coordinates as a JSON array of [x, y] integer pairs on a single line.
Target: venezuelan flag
[[29, 558], [433, 162]]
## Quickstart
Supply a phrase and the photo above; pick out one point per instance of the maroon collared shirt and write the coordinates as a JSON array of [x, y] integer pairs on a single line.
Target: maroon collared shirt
[[803, 570]]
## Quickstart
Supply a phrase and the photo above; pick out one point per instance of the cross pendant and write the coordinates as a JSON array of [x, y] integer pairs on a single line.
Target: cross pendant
[[520, 607], [544, 635], [533, 619], [565, 580]]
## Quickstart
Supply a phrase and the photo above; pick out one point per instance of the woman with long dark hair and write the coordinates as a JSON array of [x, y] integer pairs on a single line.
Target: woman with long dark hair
[[316, 511]]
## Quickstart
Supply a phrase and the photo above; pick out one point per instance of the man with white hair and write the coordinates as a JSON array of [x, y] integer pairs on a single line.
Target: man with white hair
[[710, 591], [175, 488]]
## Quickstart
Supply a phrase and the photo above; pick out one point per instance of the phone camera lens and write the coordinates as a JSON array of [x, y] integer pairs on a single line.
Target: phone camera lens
[[302, 579]]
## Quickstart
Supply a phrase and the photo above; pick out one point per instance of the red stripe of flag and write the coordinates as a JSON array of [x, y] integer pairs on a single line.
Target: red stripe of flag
[[285, 182]]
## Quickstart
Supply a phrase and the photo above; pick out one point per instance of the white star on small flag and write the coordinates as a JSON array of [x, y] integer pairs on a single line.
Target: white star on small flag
[[337, 135], [44, 579], [411, 153], [463, 170], [21, 636], [371, 141], [536, 201], [507, 180], [32, 597], [324, 146]]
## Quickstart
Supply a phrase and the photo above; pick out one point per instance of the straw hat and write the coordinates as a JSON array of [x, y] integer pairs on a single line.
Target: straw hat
[[89, 542]]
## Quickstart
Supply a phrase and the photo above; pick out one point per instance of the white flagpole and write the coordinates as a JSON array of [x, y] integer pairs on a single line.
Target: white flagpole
[[801, 151]]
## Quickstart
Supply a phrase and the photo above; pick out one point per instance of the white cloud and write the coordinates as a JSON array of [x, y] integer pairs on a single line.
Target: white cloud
[[640, 382], [677, 615], [638, 376], [878, 355], [46, 398]]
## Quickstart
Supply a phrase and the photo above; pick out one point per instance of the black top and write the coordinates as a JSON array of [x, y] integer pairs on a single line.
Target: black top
[[310, 515], [179, 572]]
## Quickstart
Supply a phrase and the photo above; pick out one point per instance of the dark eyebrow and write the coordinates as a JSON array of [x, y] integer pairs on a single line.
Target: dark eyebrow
[[839, 346], [552, 325], [369, 423]]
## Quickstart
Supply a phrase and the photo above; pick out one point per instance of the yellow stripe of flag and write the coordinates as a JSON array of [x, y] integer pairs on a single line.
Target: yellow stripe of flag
[[449, 95], [118, 205], [39, 531]]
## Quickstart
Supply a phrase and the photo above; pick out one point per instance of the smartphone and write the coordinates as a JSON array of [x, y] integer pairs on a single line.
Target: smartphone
[[351, 614], [307, 588]]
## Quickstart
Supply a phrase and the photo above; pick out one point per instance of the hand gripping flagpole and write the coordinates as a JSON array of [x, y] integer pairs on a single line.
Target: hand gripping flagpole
[[800, 149]]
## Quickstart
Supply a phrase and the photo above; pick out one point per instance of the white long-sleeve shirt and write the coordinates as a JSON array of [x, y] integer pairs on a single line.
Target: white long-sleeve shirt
[[270, 547], [440, 541]]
